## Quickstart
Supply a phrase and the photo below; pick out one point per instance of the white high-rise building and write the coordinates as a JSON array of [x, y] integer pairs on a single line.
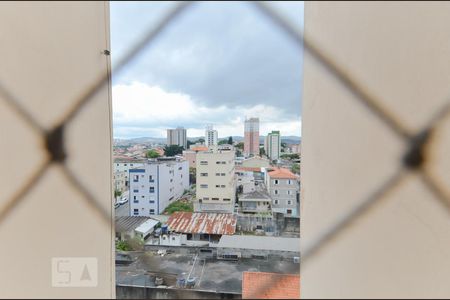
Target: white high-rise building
[[216, 185], [211, 136], [157, 184], [272, 145], [177, 136]]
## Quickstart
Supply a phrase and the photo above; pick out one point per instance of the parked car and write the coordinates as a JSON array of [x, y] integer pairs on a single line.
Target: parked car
[[116, 205], [123, 200]]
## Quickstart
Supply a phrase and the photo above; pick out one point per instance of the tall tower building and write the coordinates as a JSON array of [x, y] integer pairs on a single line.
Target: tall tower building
[[251, 137], [177, 137], [272, 145], [210, 136]]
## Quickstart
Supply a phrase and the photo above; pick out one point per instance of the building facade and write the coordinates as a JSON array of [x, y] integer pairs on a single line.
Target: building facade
[[177, 136], [283, 187], [211, 136], [251, 137], [272, 145], [216, 186], [121, 171], [157, 184]]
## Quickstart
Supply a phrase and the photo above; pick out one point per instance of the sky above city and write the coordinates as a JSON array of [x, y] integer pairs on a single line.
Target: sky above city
[[218, 63]]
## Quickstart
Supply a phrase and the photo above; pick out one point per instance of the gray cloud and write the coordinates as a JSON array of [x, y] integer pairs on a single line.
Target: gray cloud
[[218, 53]]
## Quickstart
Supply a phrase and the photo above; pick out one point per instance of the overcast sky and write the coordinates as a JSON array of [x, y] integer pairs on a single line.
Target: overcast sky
[[218, 63]]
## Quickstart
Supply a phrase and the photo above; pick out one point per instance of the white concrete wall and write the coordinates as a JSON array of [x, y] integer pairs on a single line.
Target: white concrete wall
[[399, 52], [50, 53]]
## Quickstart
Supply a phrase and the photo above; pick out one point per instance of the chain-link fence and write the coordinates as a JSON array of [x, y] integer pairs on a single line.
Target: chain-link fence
[[414, 159]]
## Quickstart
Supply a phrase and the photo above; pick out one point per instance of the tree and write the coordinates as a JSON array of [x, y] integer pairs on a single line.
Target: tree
[[262, 151], [117, 193], [152, 154], [173, 150], [240, 145], [295, 168], [230, 140], [222, 142]]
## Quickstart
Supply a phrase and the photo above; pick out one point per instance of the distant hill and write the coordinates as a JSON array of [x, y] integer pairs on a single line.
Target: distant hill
[[153, 140]]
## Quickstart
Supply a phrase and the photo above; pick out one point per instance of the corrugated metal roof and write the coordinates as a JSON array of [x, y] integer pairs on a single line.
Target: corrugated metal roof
[[125, 224], [202, 223]]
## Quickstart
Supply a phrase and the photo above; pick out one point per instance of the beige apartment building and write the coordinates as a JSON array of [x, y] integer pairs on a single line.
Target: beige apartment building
[[216, 187]]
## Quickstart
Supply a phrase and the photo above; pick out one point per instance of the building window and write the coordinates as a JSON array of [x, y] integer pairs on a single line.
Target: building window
[[135, 178], [289, 211], [275, 192], [171, 180], [289, 202], [222, 186], [275, 201], [226, 199], [125, 165], [217, 162], [204, 174], [205, 198], [152, 189], [135, 191], [203, 186], [152, 211], [180, 168], [151, 179], [135, 211], [152, 201], [217, 174], [276, 181], [131, 164], [216, 199], [222, 174], [224, 163], [289, 181], [204, 163]]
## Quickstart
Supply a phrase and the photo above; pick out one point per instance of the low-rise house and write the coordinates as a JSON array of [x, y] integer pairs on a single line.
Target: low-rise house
[[245, 181], [206, 227], [255, 162], [125, 226], [256, 201]]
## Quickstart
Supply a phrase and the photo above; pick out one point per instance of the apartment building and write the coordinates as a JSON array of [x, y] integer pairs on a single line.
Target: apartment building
[[251, 137], [177, 136], [216, 186], [272, 145], [121, 171], [283, 187], [211, 136], [157, 184]]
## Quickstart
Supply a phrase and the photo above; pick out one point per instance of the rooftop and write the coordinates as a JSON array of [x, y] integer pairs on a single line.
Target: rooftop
[[202, 223], [259, 243], [147, 226], [261, 285], [125, 224], [282, 173], [211, 274]]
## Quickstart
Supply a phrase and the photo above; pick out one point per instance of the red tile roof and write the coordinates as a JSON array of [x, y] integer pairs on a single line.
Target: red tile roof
[[199, 148], [206, 223], [250, 169], [282, 173], [261, 285]]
